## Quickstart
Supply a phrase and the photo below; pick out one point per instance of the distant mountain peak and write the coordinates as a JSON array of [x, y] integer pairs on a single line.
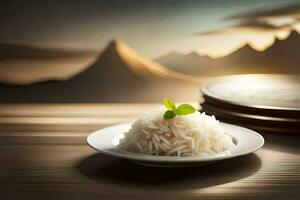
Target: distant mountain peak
[[244, 49], [291, 42], [115, 43], [293, 37], [135, 62], [196, 54], [139, 65], [293, 33], [193, 53], [248, 46]]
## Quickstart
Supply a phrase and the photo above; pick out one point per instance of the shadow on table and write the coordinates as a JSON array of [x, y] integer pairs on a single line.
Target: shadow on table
[[285, 142], [126, 174]]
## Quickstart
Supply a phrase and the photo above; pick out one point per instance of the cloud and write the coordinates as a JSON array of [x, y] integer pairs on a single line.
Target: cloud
[[258, 28], [279, 15], [269, 19], [274, 18], [249, 26], [282, 10]]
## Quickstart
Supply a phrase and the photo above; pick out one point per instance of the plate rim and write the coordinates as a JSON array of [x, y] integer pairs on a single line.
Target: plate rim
[[214, 109], [206, 92], [174, 159]]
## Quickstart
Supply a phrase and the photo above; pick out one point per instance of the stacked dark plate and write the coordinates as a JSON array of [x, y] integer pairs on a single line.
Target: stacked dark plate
[[260, 102]]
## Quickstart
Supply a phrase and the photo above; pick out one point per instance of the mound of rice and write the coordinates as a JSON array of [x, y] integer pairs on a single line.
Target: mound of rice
[[186, 135]]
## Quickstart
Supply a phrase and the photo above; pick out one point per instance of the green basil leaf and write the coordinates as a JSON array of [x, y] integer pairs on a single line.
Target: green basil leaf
[[184, 109], [169, 104], [169, 114]]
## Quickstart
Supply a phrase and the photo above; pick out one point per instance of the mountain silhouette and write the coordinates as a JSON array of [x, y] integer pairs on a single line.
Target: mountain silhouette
[[188, 63], [119, 74], [281, 57], [119, 57]]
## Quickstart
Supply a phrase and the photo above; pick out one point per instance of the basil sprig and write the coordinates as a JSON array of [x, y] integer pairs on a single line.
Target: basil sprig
[[172, 110]]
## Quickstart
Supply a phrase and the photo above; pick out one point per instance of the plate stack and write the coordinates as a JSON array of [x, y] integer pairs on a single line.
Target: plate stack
[[260, 102]]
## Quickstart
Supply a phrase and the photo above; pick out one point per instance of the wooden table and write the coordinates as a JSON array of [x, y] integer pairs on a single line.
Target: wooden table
[[43, 155]]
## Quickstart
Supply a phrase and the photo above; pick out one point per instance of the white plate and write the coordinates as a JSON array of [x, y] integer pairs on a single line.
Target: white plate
[[107, 139], [257, 91]]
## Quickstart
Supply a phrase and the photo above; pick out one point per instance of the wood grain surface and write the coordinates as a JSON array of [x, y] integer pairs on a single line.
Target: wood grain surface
[[43, 155]]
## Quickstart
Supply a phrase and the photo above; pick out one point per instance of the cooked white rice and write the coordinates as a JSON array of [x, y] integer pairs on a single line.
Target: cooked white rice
[[186, 135]]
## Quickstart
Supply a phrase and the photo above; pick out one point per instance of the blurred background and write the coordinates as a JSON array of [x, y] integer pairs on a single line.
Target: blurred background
[[139, 51]]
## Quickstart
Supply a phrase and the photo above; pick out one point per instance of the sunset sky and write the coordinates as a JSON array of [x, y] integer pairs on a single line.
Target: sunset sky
[[153, 28]]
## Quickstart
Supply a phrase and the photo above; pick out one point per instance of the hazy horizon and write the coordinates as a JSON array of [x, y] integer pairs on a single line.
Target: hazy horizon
[[153, 28]]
